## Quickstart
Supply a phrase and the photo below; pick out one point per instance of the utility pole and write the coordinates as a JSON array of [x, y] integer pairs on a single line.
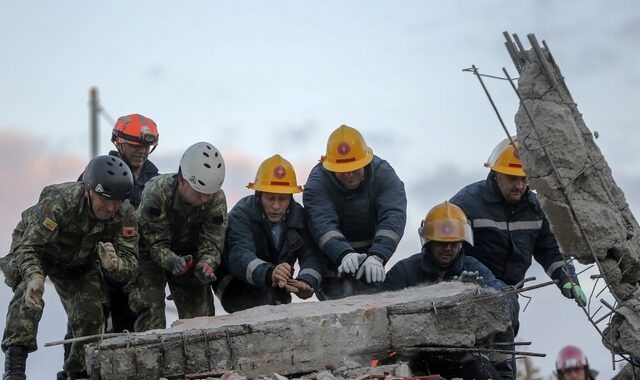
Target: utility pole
[[94, 108]]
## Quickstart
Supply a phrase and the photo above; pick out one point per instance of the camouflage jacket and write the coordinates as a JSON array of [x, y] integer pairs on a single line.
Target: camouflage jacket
[[57, 236], [170, 228]]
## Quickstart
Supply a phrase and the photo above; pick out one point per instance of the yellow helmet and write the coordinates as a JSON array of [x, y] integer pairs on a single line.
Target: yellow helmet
[[346, 151], [505, 158], [445, 222], [276, 175]]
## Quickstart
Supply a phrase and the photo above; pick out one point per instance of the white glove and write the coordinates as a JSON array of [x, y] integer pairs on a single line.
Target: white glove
[[108, 257], [373, 269], [351, 262]]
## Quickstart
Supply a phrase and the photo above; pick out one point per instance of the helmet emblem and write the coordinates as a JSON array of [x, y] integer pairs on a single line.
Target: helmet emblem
[[99, 189], [446, 229], [344, 148], [192, 179], [145, 130], [279, 172]]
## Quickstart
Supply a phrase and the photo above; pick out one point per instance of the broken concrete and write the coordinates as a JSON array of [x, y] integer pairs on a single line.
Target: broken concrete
[[587, 211], [305, 337]]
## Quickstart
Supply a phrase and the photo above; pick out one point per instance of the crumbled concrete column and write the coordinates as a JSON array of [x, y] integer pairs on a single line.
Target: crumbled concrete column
[[587, 210], [305, 337]]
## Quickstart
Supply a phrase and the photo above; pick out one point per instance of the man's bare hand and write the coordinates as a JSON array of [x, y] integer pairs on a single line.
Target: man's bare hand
[[302, 289], [281, 273]]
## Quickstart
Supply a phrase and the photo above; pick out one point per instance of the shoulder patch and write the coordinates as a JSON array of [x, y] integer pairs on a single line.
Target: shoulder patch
[[128, 231], [50, 224]]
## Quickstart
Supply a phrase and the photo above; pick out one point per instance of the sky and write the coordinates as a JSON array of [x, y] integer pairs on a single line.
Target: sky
[[258, 78]]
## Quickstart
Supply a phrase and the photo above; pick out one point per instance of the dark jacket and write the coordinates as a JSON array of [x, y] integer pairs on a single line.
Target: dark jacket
[[507, 235], [419, 269], [369, 219], [250, 251]]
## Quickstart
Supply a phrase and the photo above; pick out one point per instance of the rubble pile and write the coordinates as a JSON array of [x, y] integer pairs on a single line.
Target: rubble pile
[[299, 339], [587, 210]]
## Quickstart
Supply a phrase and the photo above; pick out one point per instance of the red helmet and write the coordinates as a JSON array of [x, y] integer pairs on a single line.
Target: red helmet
[[135, 129], [571, 357]]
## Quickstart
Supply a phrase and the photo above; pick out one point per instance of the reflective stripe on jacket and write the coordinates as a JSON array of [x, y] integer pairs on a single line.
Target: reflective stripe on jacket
[[369, 219], [506, 236]]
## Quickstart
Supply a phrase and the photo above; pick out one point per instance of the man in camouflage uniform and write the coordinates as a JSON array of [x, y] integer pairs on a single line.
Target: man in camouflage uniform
[[73, 229], [183, 218]]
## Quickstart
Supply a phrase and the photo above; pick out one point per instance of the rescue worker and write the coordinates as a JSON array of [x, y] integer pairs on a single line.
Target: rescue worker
[[510, 228], [74, 229], [266, 235], [135, 137], [571, 364], [356, 207], [444, 234], [183, 218]]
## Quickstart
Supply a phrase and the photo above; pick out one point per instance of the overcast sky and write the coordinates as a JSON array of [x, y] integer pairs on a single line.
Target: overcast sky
[[257, 78]]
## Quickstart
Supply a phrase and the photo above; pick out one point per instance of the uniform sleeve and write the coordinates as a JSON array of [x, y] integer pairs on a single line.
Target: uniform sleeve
[[547, 253], [156, 232], [40, 230], [311, 261], [396, 278], [322, 216], [240, 256], [125, 242], [391, 209], [212, 231]]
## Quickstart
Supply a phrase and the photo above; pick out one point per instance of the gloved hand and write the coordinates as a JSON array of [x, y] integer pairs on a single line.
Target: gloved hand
[[303, 290], [34, 291], [281, 273], [573, 290], [469, 277], [373, 269], [108, 257], [204, 273], [351, 262], [181, 265]]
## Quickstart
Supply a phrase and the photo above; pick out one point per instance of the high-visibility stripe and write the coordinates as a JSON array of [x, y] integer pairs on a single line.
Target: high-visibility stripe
[[312, 272], [251, 268], [390, 234], [505, 226], [328, 236], [360, 244], [552, 268]]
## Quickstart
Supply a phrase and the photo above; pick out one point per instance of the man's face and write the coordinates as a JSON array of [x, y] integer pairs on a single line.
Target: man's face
[[191, 196], [512, 187], [577, 373], [136, 155], [352, 179], [102, 208], [275, 205], [444, 254]]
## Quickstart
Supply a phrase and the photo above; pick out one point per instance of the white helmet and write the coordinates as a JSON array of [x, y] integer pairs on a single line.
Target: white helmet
[[203, 167]]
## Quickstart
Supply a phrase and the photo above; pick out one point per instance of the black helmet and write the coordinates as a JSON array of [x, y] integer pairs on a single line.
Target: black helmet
[[109, 177]]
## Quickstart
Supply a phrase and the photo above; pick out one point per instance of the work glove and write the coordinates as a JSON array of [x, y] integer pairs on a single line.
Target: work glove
[[181, 265], [303, 290], [108, 257], [204, 273], [373, 270], [281, 274], [351, 262], [469, 277], [33, 294], [573, 290]]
